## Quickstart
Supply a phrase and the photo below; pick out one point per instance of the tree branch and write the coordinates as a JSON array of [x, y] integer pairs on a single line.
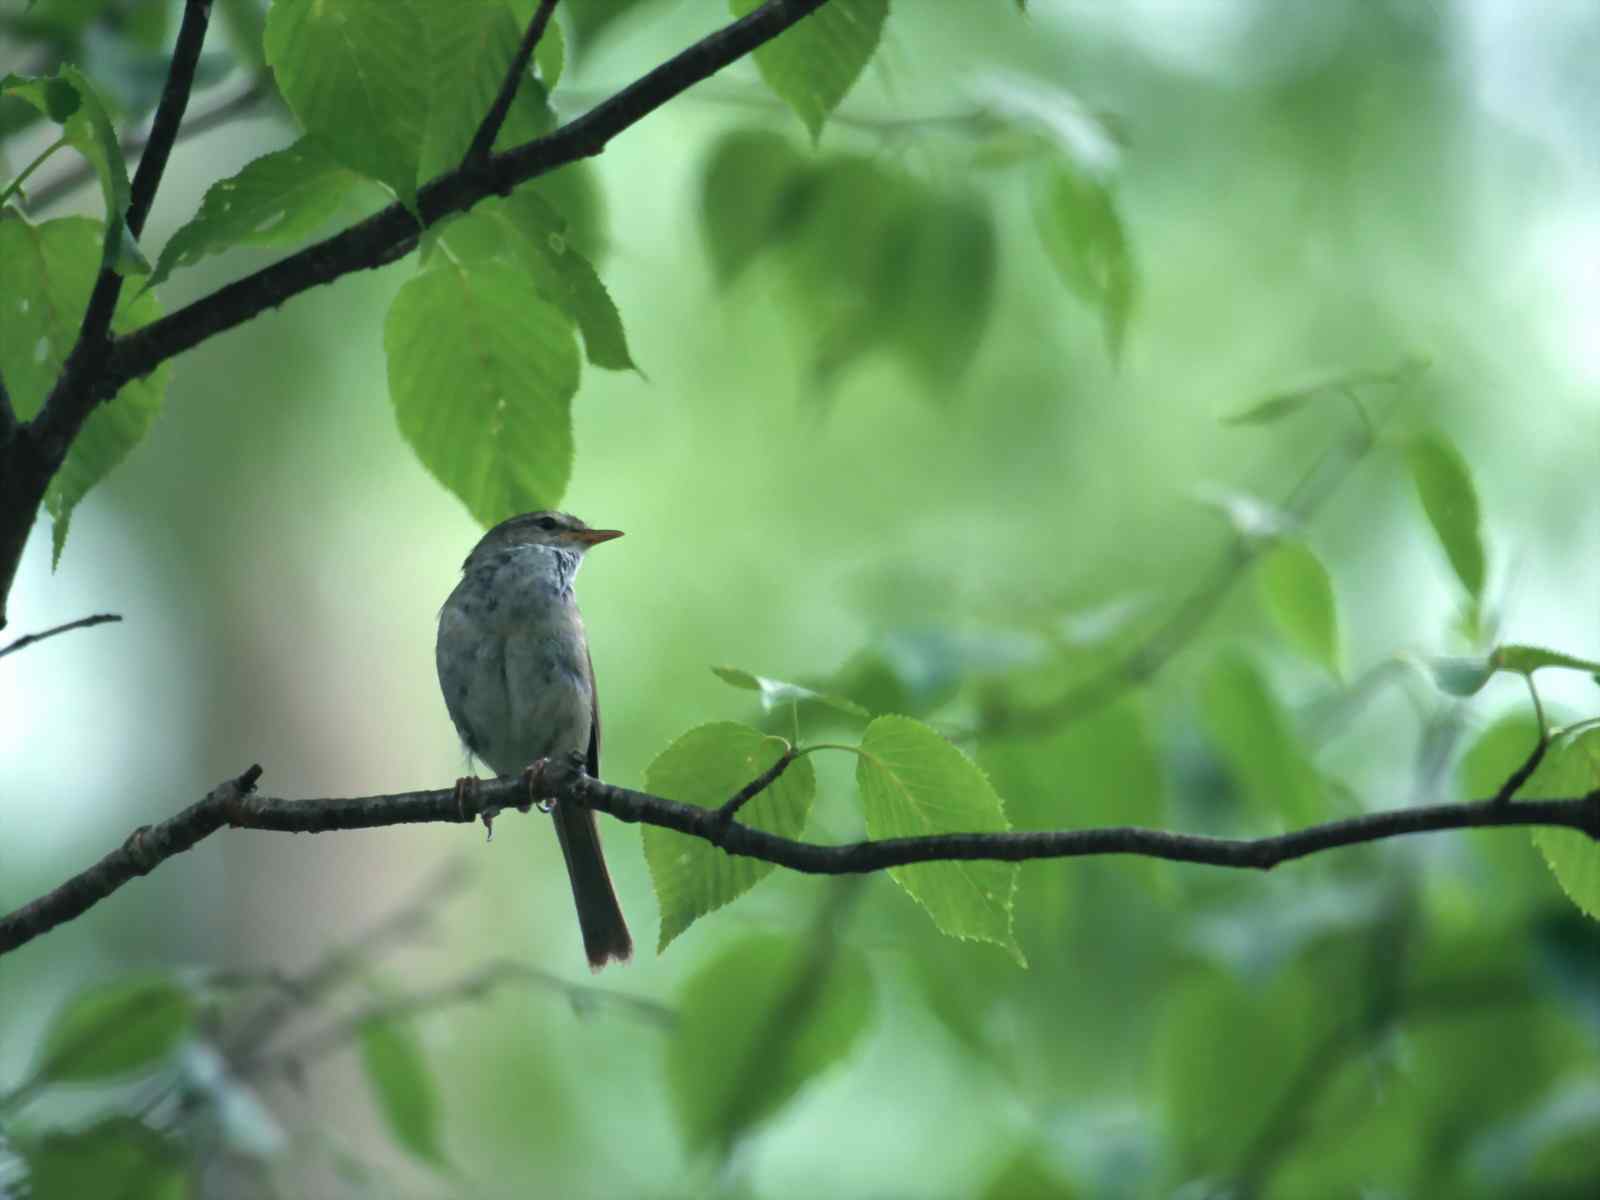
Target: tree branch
[[232, 805], [483, 139], [169, 112], [23, 643]]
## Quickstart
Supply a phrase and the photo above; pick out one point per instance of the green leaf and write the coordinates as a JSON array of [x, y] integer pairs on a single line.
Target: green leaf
[[759, 1022], [1451, 501], [354, 74], [115, 1029], [118, 1157], [70, 100], [482, 371], [705, 767], [46, 274], [1254, 736], [914, 783], [281, 197], [1075, 213], [753, 191], [775, 692], [812, 64], [1299, 595], [550, 55], [1570, 768], [1525, 660], [1028, 1175], [392, 1057], [524, 228], [1322, 388], [945, 262]]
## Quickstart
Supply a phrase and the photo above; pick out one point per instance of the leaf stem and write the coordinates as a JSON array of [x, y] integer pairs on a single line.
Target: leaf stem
[[15, 185]]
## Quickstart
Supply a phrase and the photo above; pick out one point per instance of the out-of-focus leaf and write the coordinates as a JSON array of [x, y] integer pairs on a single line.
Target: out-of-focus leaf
[[280, 197], [1525, 660], [751, 191], [944, 278], [115, 1029], [482, 371], [354, 73], [914, 783], [524, 229], [46, 274], [1082, 233], [812, 64], [1299, 595], [1451, 502], [1339, 386], [1256, 739], [706, 767], [760, 1021], [1252, 518], [117, 1157], [1027, 1176], [403, 1087], [1460, 676], [775, 692]]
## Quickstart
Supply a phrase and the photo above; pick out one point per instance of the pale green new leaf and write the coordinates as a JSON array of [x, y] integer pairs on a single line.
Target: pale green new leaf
[[705, 767], [115, 1029], [1324, 388], [355, 74], [1082, 233], [279, 197], [776, 691], [758, 1023], [1525, 660], [482, 371], [812, 64], [1451, 501], [1299, 595], [401, 1083], [46, 274], [524, 228], [914, 783]]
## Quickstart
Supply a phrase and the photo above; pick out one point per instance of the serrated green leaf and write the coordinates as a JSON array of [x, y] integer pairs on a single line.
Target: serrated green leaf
[[914, 783], [115, 1029], [46, 274], [705, 767], [279, 197], [759, 1022], [813, 63], [1255, 738], [118, 1157], [1450, 500], [524, 228], [355, 75], [1525, 660], [1570, 768], [1080, 227], [775, 692], [403, 1087], [1460, 676], [1299, 595], [482, 371], [752, 193]]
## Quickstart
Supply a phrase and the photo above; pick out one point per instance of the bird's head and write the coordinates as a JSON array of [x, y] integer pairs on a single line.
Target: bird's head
[[557, 530]]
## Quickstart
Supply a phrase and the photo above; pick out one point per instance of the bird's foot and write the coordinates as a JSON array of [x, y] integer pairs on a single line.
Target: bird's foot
[[467, 794], [533, 781]]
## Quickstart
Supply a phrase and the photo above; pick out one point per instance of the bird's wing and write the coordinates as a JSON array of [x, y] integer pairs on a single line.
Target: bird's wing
[[593, 757]]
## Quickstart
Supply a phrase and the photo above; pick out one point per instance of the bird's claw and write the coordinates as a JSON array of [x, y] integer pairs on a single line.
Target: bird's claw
[[467, 794], [533, 781]]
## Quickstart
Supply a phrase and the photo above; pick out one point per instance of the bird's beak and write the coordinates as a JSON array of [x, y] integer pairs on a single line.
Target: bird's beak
[[593, 537]]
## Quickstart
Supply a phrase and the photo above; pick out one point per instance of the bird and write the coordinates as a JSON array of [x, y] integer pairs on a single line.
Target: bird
[[518, 681]]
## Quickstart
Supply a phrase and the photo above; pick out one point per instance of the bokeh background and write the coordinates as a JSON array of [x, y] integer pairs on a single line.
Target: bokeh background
[[1307, 187]]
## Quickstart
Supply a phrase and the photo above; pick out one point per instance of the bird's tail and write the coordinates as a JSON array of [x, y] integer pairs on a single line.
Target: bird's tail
[[605, 933]]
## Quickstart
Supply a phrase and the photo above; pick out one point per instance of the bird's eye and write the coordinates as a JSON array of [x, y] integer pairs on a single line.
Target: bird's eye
[[546, 523]]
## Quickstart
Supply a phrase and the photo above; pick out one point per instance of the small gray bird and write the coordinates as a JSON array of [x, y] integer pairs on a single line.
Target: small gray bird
[[519, 684]]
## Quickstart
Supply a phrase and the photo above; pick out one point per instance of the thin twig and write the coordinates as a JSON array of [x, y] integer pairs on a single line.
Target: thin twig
[[231, 805], [483, 139], [22, 643], [756, 786]]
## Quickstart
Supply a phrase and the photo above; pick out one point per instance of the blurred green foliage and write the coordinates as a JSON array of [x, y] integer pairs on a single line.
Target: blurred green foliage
[[953, 346]]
